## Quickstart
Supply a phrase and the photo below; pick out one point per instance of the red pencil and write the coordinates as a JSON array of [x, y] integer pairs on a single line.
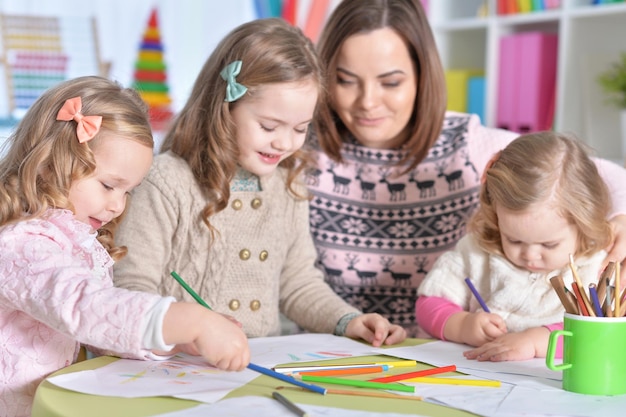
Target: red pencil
[[579, 299], [417, 374]]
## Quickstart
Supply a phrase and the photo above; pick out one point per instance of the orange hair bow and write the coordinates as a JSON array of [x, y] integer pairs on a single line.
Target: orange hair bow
[[88, 126]]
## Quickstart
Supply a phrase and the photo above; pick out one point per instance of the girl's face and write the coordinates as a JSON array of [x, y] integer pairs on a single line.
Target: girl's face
[[538, 239], [272, 123], [374, 93], [121, 164]]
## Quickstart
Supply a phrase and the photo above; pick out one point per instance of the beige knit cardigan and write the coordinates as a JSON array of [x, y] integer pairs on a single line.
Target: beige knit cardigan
[[262, 261]]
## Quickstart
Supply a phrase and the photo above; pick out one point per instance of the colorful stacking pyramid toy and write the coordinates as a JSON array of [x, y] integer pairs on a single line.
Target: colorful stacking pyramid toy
[[150, 75]]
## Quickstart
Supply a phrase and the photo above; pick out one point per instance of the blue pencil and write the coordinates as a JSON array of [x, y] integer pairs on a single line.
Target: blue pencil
[[252, 366], [477, 295], [595, 300], [286, 378]]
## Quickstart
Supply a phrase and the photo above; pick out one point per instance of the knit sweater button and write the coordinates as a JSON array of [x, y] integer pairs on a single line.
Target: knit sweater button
[[237, 204], [263, 255], [256, 203], [255, 305], [234, 305], [244, 254]]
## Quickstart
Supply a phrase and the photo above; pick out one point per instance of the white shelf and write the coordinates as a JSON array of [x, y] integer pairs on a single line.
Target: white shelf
[[590, 38]]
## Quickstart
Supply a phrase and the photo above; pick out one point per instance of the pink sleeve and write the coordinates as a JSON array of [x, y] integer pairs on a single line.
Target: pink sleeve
[[559, 344], [614, 176], [432, 313]]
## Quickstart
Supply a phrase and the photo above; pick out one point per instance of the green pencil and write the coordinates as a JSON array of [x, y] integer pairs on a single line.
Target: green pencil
[[189, 290], [357, 383]]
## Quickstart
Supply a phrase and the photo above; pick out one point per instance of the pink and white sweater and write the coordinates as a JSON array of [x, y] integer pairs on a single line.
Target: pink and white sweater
[[56, 290], [378, 231]]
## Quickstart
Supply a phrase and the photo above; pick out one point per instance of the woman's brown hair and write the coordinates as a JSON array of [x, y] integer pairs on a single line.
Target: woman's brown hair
[[408, 19]]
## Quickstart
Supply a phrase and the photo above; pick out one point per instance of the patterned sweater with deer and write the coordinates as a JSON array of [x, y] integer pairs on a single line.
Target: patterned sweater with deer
[[378, 233]]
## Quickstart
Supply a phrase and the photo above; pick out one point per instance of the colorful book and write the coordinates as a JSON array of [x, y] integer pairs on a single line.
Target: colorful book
[[457, 81]]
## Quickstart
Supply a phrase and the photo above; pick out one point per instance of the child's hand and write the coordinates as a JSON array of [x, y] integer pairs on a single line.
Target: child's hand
[[212, 335], [519, 346], [232, 319], [375, 329], [474, 329]]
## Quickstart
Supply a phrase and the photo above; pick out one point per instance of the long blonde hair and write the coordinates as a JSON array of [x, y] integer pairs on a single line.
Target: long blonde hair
[[45, 157], [534, 168], [204, 134]]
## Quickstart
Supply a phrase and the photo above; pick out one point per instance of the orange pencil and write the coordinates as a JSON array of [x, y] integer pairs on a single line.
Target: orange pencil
[[416, 374], [346, 371]]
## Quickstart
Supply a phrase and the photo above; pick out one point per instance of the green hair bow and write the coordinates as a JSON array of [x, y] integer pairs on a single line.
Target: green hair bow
[[234, 90]]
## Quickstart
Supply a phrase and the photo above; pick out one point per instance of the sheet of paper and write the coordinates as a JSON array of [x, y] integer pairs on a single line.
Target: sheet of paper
[[307, 347], [192, 378], [268, 407], [441, 353], [133, 378], [561, 403]]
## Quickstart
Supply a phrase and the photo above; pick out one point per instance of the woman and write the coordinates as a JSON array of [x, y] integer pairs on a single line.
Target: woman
[[397, 176]]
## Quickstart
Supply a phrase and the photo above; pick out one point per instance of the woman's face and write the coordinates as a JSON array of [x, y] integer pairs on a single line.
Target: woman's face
[[375, 88]]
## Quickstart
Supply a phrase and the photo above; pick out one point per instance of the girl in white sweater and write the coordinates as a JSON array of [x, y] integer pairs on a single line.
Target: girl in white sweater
[[541, 200]]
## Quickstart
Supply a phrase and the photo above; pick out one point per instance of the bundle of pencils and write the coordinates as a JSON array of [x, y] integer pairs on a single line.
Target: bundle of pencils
[[599, 300]]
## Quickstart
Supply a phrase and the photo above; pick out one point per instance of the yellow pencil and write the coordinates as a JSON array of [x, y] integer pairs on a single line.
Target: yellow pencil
[[455, 381], [311, 368]]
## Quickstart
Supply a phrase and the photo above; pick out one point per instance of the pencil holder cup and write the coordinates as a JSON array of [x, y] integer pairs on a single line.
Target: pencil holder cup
[[594, 360]]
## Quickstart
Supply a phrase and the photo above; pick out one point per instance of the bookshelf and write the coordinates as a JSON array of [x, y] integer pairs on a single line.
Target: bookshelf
[[590, 36]]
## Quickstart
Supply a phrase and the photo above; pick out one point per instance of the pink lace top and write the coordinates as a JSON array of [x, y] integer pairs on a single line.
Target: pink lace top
[[56, 291]]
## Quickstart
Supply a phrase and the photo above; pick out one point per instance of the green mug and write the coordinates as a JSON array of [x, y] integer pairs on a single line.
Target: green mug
[[594, 354]]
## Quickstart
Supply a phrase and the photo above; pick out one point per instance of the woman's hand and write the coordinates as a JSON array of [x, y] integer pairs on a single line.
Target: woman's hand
[[375, 329]]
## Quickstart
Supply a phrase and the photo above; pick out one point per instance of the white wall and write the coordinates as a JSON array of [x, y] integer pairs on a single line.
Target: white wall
[[190, 29]]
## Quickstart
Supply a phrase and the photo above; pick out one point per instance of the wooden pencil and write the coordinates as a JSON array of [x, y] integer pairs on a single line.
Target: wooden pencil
[[581, 304], [362, 393], [559, 288], [605, 278], [593, 294], [572, 299], [608, 300], [581, 294], [618, 293]]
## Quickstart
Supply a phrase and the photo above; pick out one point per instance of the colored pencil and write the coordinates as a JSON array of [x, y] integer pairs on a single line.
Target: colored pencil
[[390, 364], [581, 294], [608, 300], [579, 299], [409, 375], [364, 393], [348, 371], [559, 288], [252, 366], [289, 405], [595, 301], [287, 378], [189, 290], [604, 280], [357, 383], [618, 293], [477, 295], [456, 381]]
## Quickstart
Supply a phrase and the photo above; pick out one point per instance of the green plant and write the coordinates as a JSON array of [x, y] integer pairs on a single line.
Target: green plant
[[613, 81]]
